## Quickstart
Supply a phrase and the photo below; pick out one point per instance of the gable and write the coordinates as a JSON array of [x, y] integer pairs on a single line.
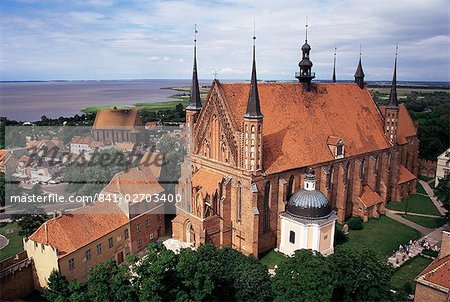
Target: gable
[[215, 134], [297, 125]]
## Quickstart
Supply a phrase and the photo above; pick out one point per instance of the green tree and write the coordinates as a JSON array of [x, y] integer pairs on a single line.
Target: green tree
[[57, 289], [31, 221], [361, 275], [307, 276], [109, 282], [442, 191]]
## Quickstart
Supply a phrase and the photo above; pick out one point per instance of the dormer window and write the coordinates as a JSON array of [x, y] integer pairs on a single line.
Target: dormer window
[[336, 146]]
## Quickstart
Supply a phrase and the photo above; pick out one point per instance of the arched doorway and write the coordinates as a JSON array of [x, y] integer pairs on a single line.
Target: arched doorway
[[190, 234]]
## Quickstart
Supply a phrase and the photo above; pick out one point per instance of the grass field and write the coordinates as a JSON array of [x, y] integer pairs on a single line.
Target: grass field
[[408, 271], [420, 189], [425, 178], [382, 235], [272, 258], [15, 241], [416, 204], [140, 106], [428, 222]]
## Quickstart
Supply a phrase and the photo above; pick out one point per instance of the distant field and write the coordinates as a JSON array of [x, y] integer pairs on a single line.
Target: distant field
[[149, 107]]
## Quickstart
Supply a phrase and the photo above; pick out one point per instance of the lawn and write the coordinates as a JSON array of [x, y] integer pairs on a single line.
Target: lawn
[[408, 271], [272, 258], [428, 222], [425, 178], [383, 235], [15, 241], [420, 189], [416, 204]]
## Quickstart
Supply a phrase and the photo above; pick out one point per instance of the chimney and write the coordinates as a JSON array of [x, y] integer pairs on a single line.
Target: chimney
[[445, 244]]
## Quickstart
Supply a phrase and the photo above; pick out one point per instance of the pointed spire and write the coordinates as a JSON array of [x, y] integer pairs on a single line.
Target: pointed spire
[[359, 74], [253, 106], [195, 102], [393, 102], [334, 66]]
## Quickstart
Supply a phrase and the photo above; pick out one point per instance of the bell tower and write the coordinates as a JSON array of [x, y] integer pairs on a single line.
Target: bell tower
[[252, 125], [392, 109], [305, 75]]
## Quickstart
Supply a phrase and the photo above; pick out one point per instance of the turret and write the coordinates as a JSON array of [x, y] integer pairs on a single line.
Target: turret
[[305, 75], [392, 109], [195, 103], [359, 74], [253, 123]]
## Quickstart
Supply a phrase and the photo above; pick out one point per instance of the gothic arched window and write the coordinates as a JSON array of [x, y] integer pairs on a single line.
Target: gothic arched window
[[266, 220], [239, 201]]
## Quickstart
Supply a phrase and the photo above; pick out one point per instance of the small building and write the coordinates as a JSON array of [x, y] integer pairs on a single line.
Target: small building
[[433, 283], [84, 145], [75, 242], [8, 162], [443, 166], [117, 125], [308, 221]]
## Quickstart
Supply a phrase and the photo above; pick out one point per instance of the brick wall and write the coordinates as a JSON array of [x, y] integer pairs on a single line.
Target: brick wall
[[16, 277]]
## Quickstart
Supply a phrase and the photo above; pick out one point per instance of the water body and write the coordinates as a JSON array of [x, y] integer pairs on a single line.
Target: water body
[[28, 101]]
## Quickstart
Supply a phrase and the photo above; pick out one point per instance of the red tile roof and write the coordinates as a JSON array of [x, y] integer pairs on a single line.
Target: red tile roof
[[406, 126], [135, 181], [81, 140], [437, 274], [405, 175], [297, 124], [3, 155], [117, 118], [72, 231], [369, 198]]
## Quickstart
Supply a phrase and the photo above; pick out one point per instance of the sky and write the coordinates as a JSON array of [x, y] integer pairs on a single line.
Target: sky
[[112, 39]]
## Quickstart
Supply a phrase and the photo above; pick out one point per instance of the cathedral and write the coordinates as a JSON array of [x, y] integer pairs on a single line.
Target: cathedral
[[252, 145]]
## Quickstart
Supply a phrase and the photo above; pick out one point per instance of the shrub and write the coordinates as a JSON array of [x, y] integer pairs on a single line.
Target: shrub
[[430, 253], [355, 223], [339, 237]]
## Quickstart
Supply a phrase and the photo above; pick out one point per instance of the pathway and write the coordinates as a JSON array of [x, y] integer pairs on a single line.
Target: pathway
[[392, 214], [431, 236], [415, 214], [433, 198]]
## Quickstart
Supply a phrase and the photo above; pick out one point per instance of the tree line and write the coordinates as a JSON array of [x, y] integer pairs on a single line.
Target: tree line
[[224, 274]]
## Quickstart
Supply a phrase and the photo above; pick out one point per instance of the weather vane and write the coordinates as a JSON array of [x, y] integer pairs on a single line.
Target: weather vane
[[396, 49], [215, 74]]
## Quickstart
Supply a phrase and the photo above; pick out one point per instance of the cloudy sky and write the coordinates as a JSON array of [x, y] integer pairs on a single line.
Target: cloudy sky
[[107, 39]]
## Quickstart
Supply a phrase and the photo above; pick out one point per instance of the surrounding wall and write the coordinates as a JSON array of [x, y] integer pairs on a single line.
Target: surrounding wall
[[427, 168], [16, 277]]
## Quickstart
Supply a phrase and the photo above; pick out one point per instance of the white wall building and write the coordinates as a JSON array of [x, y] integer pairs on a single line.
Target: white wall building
[[308, 222], [443, 166]]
